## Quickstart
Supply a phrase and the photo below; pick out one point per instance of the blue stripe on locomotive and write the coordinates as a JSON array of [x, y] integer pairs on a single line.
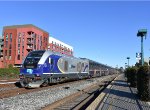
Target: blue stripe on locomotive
[[48, 68], [85, 68]]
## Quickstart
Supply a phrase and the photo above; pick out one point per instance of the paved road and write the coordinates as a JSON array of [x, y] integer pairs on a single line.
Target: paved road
[[122, 97]]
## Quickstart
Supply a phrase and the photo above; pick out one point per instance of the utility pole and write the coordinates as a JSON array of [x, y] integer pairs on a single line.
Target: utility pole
[[142, 33]]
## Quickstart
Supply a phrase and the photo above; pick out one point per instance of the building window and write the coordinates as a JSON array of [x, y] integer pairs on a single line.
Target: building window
[[19, 40], [22, 41], [6, 37], [18, 51], [5, 52], [46, 39], [19, 34], [9, 57], [9, 52], [34, 41], [22, 49], [35, 47], [53, 47], [6, 44], [18, 57], [38, 37], [18, 45], [33, 35], [10, 46], [41, 43], [10, 37], [41, 38], [23, 57]]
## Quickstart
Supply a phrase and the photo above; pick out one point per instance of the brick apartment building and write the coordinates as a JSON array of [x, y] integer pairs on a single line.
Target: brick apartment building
[[1, 50], [18, 40]]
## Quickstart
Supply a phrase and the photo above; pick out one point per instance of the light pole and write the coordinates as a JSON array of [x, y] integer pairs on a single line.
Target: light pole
[[128, 60], [117, 69], [141, 33], [125, 65]]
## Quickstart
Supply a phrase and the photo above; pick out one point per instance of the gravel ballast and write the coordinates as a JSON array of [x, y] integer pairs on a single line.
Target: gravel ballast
[[37, 100]]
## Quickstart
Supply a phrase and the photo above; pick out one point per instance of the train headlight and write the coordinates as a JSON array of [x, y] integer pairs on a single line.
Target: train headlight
[[21, 76], [37, 77]]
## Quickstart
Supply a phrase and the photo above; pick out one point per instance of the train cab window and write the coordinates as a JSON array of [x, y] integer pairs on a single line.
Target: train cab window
[[33, 58], [51, 61]]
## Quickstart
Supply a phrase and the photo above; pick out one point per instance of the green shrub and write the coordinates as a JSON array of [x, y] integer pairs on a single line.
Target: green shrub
[[127, 71], [133, 76], [131, 73], [10, 66], [143, 83], [9, 72]]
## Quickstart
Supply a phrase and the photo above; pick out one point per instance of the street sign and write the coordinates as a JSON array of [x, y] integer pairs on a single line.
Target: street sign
[[138, 55]]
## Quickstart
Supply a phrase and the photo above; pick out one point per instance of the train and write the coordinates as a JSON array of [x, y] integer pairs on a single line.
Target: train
[[44, 67]]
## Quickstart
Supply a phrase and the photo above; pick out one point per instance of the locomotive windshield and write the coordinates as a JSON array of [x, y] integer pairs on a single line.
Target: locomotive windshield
[[33, 58]]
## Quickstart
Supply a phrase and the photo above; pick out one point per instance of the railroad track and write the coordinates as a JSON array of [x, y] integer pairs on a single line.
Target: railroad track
[[9, 90], [81, 99]]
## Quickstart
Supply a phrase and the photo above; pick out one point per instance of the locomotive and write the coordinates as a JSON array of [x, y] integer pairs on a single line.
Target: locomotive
[[43, 67]]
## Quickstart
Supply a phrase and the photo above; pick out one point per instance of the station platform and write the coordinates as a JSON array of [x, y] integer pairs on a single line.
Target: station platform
[[119, 96]]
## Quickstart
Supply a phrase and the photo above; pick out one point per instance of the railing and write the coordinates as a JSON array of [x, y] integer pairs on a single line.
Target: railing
[[29, 47], [29, 42], [30, 36], [1, 43]]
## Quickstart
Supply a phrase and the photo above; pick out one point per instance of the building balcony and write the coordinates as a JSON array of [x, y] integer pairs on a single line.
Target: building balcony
[[1, 43], [1, 54], [1, 47], [1, 39], [29, 47], [30, 36], [29, 42]]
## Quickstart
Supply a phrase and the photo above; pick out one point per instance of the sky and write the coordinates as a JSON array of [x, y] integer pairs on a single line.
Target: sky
[[103, 31]]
